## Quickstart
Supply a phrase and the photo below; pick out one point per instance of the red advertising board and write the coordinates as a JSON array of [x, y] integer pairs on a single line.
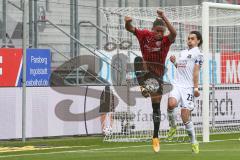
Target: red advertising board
[[230, 67], [10, 66]]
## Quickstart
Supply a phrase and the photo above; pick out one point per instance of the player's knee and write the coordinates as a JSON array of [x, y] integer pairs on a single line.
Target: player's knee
[[171, 104], [185, 119]]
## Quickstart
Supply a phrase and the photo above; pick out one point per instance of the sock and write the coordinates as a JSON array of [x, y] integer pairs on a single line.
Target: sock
[[172, 118], [191, 132], [156, 118]]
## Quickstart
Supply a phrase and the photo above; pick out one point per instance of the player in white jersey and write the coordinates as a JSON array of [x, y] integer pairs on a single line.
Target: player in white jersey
[[185, 86]]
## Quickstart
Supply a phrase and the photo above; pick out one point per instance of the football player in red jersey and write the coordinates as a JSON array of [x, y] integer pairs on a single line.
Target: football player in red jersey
[[154, 46]]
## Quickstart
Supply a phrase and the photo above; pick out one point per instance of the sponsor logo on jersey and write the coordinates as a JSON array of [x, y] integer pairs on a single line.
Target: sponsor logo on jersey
[[182, 63]]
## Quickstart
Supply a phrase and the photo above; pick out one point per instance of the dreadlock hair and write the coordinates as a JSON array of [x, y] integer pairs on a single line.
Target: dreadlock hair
[[159, 22]]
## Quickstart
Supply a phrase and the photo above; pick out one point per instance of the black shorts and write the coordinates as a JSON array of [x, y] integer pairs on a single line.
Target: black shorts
[[106, 101]]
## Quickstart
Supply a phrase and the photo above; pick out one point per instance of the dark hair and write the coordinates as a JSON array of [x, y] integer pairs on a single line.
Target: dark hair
[[159, 22], [199, 37]]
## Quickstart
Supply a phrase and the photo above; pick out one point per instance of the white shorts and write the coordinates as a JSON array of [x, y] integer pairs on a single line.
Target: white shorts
[[184, 97]]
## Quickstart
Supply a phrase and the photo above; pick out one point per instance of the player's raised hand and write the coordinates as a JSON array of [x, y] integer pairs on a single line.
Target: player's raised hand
[[128, 19], [160, 13], [173, 59]]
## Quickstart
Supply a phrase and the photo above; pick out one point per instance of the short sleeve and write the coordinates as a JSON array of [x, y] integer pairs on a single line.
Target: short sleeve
[[167, 42]]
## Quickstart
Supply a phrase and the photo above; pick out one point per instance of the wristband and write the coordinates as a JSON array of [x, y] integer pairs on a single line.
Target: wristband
[[195, 89]]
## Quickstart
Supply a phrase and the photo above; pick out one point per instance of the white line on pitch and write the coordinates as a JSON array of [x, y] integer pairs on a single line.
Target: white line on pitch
[[111, 149], [170, 150], [75, 151]]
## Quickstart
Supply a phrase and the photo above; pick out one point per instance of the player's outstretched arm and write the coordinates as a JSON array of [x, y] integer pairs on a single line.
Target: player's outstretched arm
[[195, 79], [128, 24], [172, 35]]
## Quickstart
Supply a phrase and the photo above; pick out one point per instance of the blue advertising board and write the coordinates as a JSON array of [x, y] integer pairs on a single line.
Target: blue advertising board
[[38, 68]]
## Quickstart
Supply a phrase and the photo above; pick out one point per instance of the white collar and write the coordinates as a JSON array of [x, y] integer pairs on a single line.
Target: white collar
[[194, 48]]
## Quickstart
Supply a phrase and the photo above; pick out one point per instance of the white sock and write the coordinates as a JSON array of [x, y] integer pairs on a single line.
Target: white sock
[[172, 118], [191, 132]]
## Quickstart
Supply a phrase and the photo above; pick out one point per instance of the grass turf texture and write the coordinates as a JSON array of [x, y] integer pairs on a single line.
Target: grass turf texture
[[93, 148]]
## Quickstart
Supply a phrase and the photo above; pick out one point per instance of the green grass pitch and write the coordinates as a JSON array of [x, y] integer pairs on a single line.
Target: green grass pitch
[[223, 147]]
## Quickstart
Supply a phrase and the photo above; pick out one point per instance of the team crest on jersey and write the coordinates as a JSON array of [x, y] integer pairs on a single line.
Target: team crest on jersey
[[189, 56], [158, 43]]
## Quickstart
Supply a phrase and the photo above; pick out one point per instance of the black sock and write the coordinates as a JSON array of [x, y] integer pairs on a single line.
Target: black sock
[[156, 118]]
